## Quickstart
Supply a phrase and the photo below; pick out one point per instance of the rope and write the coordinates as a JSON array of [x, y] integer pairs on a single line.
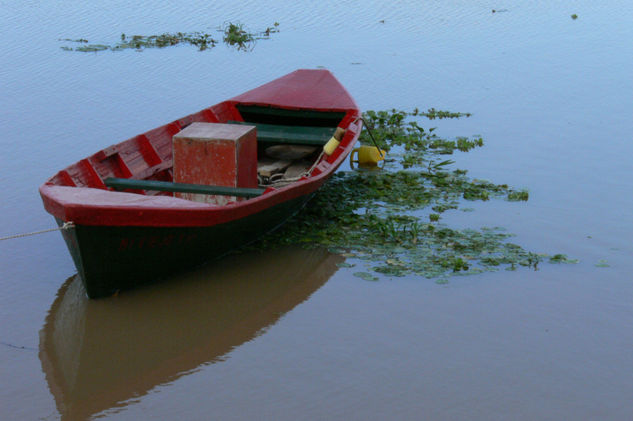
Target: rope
[[293, 179], [370, 135], [66, 226], [29, 348]]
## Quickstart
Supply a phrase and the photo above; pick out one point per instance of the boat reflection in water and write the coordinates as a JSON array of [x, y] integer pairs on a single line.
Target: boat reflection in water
[[96, 354]]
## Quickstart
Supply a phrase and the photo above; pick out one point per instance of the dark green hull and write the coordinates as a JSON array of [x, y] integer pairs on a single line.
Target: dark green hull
[[113, 258]]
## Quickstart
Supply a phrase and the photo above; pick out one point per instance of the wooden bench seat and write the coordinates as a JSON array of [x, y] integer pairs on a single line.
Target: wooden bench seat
[[129, 183], [296, 135]]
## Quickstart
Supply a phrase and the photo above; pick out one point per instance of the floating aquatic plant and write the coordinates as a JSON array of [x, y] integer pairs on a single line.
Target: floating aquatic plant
[[391, 219], [518, 195], [561, 258], [602, 264], [234, 35]]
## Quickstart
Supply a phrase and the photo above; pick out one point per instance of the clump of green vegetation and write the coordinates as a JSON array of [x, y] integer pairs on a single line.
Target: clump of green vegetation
[[395, 128], [352, 215], [234, 35], [432, 114], [520, 195], [200, 40], [391, 218], [574, 16], [561, 258]]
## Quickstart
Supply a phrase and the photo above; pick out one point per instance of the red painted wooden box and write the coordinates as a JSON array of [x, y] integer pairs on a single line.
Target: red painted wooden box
[[217, 155]]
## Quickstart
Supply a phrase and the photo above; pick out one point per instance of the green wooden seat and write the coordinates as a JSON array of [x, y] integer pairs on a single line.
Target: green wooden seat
[[129, 183], [295, 135]]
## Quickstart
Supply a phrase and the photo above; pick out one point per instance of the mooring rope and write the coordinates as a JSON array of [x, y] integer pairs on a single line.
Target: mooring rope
[[27, 348], [370, 135], [66, 226]]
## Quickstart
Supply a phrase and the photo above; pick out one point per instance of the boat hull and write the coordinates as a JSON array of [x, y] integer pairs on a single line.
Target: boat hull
[[116, 258]]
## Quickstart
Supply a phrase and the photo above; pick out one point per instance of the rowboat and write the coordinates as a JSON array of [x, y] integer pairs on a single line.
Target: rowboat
[[133, 215]]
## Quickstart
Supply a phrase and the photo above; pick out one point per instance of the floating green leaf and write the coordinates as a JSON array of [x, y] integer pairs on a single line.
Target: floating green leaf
[[602, 264], [561, 258], [366, 276]]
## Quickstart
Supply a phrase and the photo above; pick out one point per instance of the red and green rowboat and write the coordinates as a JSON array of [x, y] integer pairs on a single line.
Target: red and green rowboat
[[128, 225]]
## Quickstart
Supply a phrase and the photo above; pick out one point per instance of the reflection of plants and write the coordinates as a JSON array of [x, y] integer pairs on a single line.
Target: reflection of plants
[[234, 35], [390, 218]]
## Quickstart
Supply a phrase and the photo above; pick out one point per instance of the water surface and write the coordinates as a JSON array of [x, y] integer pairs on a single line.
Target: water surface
[[551, 97]]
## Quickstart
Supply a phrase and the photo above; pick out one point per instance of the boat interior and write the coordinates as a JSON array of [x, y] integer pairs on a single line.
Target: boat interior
[[289, 144]]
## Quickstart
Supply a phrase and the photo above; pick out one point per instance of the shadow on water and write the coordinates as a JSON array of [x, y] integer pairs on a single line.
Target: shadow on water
[[96, 354]]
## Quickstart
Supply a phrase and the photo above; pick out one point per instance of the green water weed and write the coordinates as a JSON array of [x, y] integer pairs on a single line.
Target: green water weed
[[390, 219], [561, 258], [234, 35]]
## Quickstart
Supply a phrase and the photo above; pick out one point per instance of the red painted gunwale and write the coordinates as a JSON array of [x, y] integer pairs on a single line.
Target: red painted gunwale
[[97, 205]]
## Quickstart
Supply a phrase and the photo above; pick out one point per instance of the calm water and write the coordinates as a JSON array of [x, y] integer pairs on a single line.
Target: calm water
[[289, 334]]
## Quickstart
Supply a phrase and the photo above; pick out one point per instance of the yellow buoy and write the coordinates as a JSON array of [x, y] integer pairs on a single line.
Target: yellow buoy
[[334, 141], [367, 155]]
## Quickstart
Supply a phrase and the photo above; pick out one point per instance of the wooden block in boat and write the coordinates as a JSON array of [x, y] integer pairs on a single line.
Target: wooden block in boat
[[290, 151], [267, 167]]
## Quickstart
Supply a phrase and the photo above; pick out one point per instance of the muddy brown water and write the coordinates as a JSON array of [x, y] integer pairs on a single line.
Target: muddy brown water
[[289, 334]]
